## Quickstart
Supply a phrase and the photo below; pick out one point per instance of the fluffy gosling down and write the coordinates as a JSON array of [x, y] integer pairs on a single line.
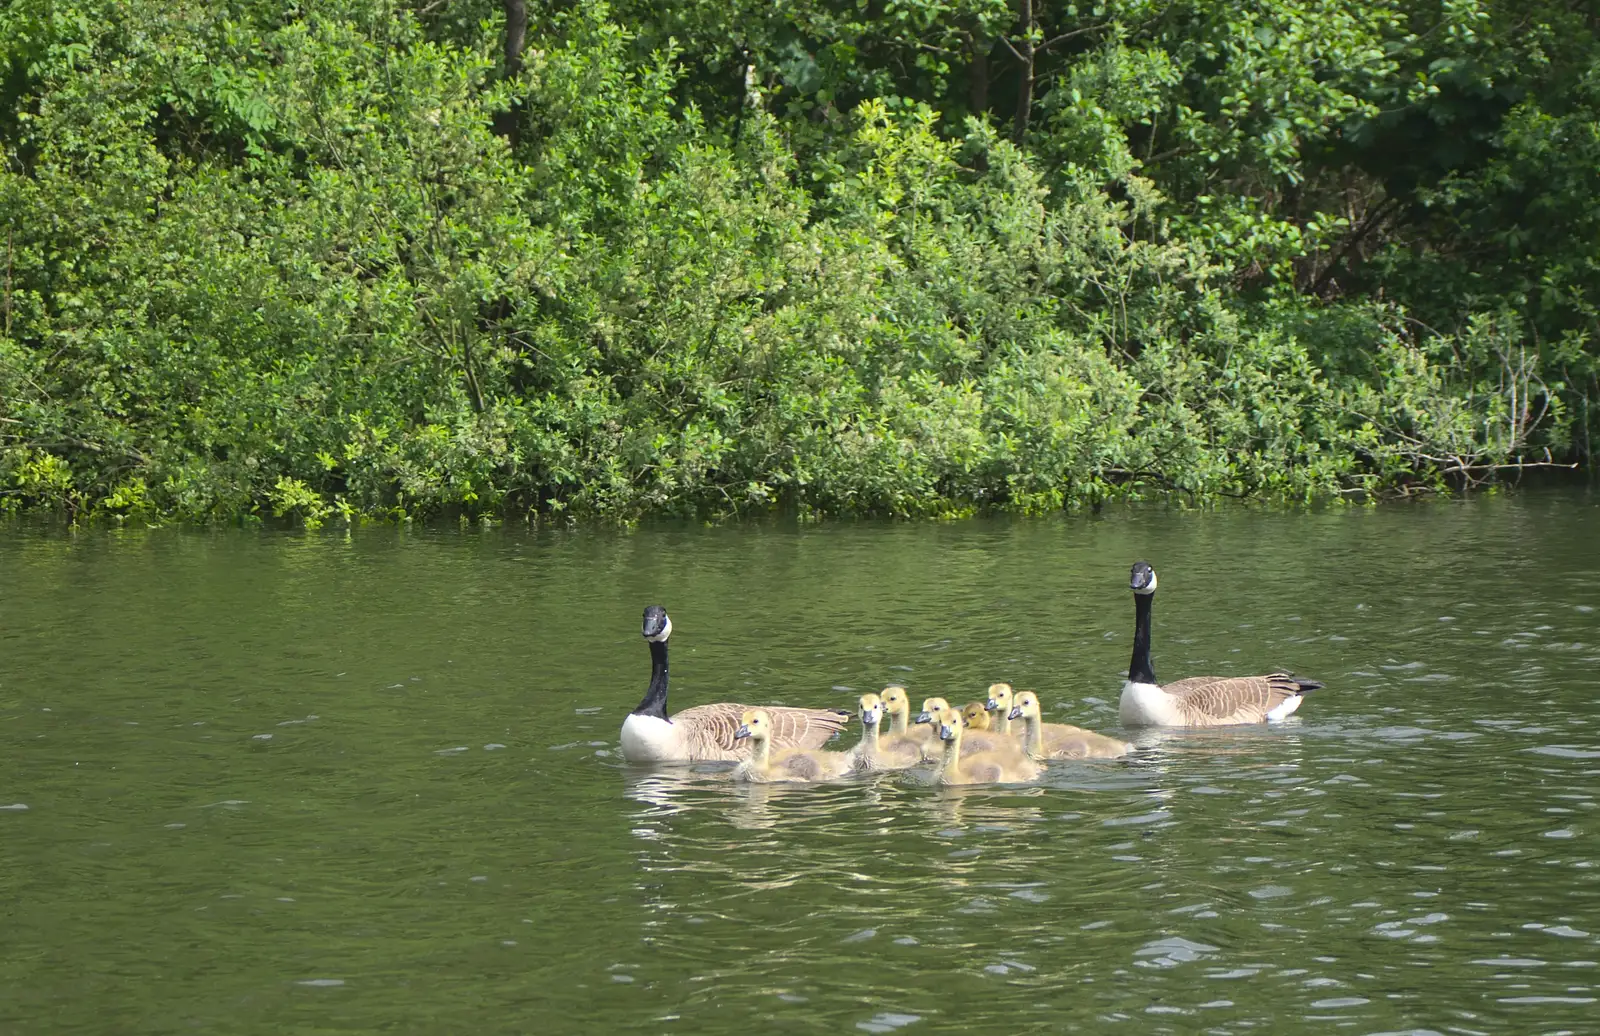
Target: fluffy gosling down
[[976, 740], [999, 706], [993, 767], [784, 764], [897, 704], [1041, 740], [976, 714], [1199, 701], [878, 751]]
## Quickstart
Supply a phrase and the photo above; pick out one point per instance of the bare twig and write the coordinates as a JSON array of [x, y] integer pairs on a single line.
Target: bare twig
[[1379, 213], [1047, 44]]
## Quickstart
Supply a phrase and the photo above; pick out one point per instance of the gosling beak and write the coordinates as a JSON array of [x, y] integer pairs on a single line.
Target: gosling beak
[[1015, 713], [947, 732], [743, 731], [924, 717], [991, 705]]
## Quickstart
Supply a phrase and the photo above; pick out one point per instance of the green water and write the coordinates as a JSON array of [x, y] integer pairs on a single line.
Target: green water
[[315, 783]]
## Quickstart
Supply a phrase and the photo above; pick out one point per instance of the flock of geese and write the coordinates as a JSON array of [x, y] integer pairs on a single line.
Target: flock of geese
[[1001, 739]]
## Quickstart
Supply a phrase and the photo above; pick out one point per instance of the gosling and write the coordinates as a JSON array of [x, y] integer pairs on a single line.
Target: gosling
[[999, 703], [976, 740], [1042, 740], [897, 704], [785, 764], [881, 752], [978, 767]]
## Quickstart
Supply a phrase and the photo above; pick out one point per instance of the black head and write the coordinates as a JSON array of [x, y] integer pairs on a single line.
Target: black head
[[1142, 580], [656, 624]]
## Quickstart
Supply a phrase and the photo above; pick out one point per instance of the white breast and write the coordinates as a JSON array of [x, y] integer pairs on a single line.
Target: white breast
[[647, 739], [1286, 709], [1147, 705]]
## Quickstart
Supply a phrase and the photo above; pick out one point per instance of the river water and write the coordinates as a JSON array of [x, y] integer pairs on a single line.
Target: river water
[[258, 781]]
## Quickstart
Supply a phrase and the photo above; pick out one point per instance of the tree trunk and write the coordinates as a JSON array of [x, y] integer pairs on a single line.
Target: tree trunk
[[1025, 90], [978, 78], [506, 123], [516, 35]]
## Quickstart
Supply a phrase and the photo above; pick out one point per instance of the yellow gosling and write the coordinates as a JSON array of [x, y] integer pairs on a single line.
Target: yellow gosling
[[999, 703], [976, 713], [784, 764], [993, 767], [976, 740], [898, 705], [1041, 740], [881, 751]]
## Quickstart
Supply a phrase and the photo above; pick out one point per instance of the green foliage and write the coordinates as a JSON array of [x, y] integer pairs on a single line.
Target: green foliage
[[266, 260]]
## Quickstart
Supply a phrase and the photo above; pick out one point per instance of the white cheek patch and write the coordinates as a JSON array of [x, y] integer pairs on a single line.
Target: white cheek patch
[[666, 631], [1151, 588]]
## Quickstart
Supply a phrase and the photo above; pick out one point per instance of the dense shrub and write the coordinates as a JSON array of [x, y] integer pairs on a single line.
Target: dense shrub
[[344, 259]]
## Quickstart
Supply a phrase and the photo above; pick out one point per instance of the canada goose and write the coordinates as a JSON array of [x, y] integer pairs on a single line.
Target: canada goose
[[977, 767], [785, 764], [1199, 701], [976, 713], [706, 732], [898, 705], [1041, 740], [976, 740], [885, 751]]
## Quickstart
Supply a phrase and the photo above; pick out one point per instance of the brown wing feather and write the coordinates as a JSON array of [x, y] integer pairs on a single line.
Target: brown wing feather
[[710, 729], [805, 728], [1209, 701]]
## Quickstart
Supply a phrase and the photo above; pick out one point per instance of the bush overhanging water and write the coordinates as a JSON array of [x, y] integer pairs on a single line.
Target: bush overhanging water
[[376, 258]]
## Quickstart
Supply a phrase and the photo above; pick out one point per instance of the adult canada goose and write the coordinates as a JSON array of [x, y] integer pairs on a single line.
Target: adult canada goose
[[706, 732], [1199, 701], [977, 767], [882, 751], [1041, 740], [784, 764]]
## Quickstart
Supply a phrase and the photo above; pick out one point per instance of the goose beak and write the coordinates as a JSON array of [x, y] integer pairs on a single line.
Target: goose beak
[[991, 705], [742, 732], [656, 626], [1015, 713], [947, 732], [924, 717]]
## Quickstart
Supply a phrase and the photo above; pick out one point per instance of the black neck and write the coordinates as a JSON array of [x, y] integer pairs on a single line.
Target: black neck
[[655, 699], [1139, 670]]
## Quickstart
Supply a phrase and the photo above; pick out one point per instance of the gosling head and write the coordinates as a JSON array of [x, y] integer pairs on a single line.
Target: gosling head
[[999, 698], [949, 725], [870, 709], [895, 699], [657, 627], [931, 707], [1025, 706], [1142, 580], [754, 724], [975, 715]]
